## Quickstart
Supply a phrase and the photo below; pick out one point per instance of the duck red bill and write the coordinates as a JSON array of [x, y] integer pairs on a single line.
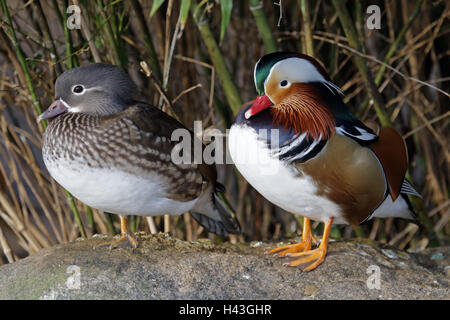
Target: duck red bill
[[261, 103], [56, 108]]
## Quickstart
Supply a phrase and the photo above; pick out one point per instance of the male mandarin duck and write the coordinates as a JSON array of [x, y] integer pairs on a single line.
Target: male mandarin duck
[[302, 149], [114, 153]]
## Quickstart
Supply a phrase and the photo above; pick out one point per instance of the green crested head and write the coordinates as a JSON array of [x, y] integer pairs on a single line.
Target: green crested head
[[280, 74], [265, 64], [263, 67]]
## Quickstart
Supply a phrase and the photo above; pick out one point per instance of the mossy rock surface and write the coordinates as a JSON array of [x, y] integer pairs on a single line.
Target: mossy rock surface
[[163, 267]]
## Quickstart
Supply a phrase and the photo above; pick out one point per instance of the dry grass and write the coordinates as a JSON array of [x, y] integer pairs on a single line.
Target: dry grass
[[405, 73]]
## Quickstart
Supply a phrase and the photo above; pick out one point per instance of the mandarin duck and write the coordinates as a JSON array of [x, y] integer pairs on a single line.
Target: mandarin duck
[[301, 148], [113, 153]]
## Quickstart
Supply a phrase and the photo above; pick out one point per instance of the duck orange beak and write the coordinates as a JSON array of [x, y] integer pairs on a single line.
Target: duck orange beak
[[261, 103], [56, 108]]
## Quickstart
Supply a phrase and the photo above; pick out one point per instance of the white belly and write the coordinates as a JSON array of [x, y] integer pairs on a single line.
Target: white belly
[[279, 183], [117, 191]]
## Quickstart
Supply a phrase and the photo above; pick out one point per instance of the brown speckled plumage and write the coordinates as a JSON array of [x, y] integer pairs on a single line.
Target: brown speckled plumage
[[127, 141]]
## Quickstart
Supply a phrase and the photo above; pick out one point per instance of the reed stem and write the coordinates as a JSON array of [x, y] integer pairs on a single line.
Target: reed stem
[[398, 40], [304, 6], [110, 34], [231, 93], [67, 37], [36, 103], [262, 23], [360, 63], [22, 60], [148, 43]]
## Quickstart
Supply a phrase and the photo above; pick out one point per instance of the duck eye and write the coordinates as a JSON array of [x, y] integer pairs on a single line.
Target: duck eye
[[284, 83], [78, 89]]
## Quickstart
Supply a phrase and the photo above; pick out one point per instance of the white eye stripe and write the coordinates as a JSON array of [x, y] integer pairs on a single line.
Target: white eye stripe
[[84, 89], [296, 70], [77, 86]]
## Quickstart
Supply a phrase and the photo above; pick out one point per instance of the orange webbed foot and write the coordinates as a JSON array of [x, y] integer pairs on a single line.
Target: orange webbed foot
[[282, 251], [316, 255], [126, 236], [307, 241], [303, 249]]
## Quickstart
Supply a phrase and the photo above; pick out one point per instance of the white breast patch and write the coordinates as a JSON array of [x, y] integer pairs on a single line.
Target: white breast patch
[[277, 181]]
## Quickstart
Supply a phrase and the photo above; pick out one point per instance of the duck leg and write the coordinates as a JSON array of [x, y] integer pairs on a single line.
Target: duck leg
[[316, 256], [304, 245], [125, 236]]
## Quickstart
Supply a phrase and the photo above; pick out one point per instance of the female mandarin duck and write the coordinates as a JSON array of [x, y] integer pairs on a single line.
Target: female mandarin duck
[[113, 152], [303, 150]]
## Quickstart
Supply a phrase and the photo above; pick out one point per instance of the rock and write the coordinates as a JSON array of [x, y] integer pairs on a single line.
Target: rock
[[167, 268]]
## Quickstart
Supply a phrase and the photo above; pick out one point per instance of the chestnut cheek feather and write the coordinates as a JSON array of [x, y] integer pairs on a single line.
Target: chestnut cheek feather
[[305, 111]]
